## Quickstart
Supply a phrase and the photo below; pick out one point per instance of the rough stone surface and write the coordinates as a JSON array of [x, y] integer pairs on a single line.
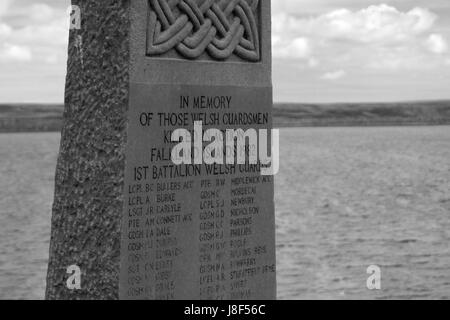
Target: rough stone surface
[[89, 177], [107, 61]]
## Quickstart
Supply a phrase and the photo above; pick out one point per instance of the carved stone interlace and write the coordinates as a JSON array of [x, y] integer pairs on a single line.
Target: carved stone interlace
[[220, 28]]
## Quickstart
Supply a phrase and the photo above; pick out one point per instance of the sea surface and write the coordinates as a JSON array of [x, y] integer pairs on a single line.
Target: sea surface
[[346, 199]]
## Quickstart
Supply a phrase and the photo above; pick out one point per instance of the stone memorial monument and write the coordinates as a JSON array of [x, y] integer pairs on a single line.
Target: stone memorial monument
[[131, 221]]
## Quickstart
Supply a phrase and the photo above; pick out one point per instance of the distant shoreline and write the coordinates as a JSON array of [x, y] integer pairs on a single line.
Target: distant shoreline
[[425, 113], [48, 117], [31, 117], [358, 125]]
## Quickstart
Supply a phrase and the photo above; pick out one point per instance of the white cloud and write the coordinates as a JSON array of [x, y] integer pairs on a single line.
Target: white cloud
[[41, 12], [9, 52], [436, 44], [44, 34], [5, 30], [379, 37], [375, 23], [295, 48], [51, 33], [298, 48], [4, 5], [334, 75]]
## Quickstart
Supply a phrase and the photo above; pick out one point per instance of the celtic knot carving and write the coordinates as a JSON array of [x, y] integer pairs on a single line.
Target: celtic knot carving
[[221, 28]]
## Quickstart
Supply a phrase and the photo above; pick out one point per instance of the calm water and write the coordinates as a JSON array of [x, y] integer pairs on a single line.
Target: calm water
[[346, 198]]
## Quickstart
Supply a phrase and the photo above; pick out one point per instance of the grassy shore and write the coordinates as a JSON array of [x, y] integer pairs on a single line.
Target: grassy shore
[[362, 114], [30, 117], [42, 117]]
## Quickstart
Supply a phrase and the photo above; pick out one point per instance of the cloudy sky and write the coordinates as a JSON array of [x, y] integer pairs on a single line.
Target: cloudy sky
[[324, 50]]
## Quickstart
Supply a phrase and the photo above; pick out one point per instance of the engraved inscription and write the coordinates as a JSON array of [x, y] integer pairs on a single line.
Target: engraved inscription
[[195, 231], [218, 29]]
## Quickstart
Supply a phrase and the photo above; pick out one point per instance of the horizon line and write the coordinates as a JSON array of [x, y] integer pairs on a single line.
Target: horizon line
[[274, 102]]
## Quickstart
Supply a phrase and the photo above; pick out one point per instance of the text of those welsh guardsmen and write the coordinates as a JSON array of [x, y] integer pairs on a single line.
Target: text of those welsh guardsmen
[[195, 230]]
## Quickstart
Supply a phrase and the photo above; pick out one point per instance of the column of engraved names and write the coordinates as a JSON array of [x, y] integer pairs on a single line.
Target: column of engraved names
[[213, 241], [155, 213], [137, 214], [243, 251], [172, 218]]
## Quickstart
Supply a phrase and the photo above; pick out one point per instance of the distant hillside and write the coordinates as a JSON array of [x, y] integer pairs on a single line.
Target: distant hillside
[[30, 117], [362, 114], [41, 117]]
